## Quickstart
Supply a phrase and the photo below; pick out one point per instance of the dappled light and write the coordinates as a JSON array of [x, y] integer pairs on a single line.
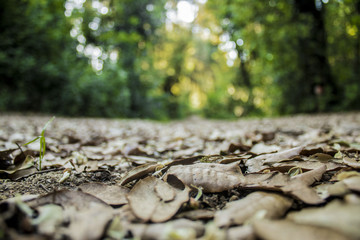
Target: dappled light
[[175, 58]]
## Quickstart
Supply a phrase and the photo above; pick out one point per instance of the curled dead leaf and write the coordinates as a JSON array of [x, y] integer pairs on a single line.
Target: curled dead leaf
[[138, 172], [256, 164], [238, 212], [212, 177], [150, 202], [244, 232], [78, 208], [297, 186], [284, 230], [176, 229], [113, 195], [340, 217], [355, 163]]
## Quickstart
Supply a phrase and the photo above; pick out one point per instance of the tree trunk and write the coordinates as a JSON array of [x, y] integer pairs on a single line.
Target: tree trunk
[[319, 84], [243, 79]]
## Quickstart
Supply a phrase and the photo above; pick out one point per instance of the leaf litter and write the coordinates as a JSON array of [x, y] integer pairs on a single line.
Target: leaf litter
[[293, 177]]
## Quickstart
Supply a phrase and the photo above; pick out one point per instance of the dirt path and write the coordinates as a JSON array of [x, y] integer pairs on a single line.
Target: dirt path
[[190, 170]]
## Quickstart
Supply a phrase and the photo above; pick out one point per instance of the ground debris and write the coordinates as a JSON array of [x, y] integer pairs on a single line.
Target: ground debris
[[282, 178]]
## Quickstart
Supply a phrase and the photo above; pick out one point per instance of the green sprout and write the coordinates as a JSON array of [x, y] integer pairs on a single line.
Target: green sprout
[[295, 171], [199, 193], [42, 142]]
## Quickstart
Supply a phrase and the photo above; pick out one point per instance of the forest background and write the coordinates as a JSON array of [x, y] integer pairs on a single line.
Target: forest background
[[169, 59]]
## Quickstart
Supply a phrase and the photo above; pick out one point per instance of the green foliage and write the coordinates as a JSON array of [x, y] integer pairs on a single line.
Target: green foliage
[[131, 59]]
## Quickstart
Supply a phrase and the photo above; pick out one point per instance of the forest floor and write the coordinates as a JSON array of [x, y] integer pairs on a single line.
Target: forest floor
[[276, 178]]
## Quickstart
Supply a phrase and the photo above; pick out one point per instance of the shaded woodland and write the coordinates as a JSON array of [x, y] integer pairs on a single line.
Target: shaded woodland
[[170, 59]]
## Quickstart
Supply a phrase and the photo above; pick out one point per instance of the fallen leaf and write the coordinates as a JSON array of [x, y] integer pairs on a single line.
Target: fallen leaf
[[212, 177], [297, 186], [346, 174], [261, 148], [176, 229], [245, 232], [116, 229], [353, 183], [6, 159], [87, 223], [198, 214], [355, 163], [238, 212], [306, 164], [112, 195], [79, 207], [340, 217], [165, 192], [256, 164], [285, 230], [322, 157], [352, 199], [337, 189], [213, 232], [146, 204], [138, 172], [240, 146], [10, 164], [50, 218], [67, 198]]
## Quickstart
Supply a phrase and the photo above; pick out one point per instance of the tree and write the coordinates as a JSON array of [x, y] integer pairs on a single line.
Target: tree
[[36, 55]]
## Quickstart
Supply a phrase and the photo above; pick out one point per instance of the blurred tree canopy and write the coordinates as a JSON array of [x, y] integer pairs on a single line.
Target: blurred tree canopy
[[168, 59]]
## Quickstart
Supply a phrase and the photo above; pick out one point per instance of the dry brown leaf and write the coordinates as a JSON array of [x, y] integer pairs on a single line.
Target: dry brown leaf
[[50, 218], [261, 148], [310, 150], [176, 229], [186, 152], [283, 155], [112, 195], [322, 157], [310, 177], [340, 188], [297, 186], [197, 214], [256, 164], [10, 164], [6, 159], [79, 207], [212, 177], [138, 172], [269, 205], [285, 230], [308, 165], [67, 198], [267, 181], [165, 192], [337, 189], [352, 199], [245, 232], [184, 161], [141, 159], [87, 223], [338, 216], [353, 183], [355, 163], [146, 204], [341, 175]]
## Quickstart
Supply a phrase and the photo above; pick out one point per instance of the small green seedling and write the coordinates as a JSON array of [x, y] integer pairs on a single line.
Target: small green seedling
[[42, 143]]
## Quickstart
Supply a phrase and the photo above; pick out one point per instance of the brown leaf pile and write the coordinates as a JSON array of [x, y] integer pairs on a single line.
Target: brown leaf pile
[[287, 178]]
